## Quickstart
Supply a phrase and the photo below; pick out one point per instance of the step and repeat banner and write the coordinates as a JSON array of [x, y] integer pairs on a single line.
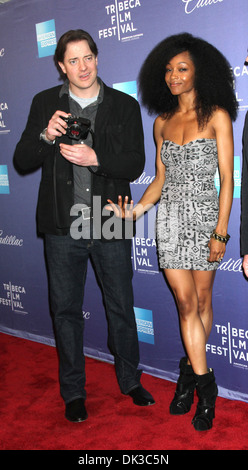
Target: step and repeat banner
[[125, 32]]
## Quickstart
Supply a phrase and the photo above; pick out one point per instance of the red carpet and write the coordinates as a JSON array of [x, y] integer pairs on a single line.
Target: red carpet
[[32, 411]]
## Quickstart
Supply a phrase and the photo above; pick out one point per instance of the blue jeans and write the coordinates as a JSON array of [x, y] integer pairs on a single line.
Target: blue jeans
[[67, 266]]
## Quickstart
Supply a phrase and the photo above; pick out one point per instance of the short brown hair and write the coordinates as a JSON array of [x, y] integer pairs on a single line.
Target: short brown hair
[[73, 35]]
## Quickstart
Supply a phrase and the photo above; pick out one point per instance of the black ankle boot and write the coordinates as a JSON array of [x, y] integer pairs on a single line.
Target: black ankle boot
[[184, 395], [207, 392]]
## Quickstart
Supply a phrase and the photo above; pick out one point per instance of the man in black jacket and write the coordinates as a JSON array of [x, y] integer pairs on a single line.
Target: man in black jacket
[[85, 162]]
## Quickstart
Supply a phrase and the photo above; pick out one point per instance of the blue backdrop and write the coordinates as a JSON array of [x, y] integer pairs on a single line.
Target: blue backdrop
[[125, 32]]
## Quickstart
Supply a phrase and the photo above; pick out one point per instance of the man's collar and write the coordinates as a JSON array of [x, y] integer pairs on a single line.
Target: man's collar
[[65, 89]]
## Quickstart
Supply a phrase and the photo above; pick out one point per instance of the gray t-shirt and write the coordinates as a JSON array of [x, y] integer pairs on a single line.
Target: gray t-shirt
[[86, 108]]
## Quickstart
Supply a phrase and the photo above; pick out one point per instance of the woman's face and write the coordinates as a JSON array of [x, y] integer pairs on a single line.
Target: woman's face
[[180, 74]]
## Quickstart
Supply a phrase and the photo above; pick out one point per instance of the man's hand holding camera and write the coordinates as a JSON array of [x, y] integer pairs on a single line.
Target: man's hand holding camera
[[79, 154], [56, 126]]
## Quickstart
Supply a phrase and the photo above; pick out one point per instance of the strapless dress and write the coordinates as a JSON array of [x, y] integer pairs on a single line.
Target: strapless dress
[[189, 205]]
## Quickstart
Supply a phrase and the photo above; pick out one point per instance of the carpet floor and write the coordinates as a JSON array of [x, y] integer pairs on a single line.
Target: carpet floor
[[32, 411]]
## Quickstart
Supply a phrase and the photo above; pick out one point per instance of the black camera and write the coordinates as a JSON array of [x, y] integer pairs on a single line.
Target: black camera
[[78, 128]]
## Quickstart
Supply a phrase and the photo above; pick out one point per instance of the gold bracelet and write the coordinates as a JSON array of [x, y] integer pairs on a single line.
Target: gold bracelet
[[220, 238]]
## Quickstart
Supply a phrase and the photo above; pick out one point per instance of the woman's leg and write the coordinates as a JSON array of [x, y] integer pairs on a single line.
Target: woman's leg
[[204, 281], [186, 290], [193, 293]]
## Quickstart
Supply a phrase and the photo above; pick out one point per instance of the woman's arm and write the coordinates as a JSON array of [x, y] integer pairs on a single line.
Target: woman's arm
[[153, 192], [224, 137]]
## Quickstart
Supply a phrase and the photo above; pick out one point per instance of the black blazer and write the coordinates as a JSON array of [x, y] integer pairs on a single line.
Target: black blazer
[[244, 193], [119, 146]]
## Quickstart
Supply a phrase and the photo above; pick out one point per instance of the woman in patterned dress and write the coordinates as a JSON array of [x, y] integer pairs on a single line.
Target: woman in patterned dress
[[188, 84]]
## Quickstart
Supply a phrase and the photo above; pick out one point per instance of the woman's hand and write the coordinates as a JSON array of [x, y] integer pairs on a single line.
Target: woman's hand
[[245, 265], [122, 210], [217, 250]]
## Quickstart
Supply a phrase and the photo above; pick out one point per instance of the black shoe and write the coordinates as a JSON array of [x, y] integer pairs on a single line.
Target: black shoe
[[141, 397], [184, 394], [207, 391], [75, 411]]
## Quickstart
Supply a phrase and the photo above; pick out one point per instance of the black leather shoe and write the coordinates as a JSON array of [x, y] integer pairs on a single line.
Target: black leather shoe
[[75, 411], [141, 397]]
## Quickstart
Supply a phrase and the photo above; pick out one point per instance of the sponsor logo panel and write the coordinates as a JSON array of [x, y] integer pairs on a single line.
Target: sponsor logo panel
[[236, 177], [144, 320], [130, 88], [4, 180], [191, 6], [46, 38]]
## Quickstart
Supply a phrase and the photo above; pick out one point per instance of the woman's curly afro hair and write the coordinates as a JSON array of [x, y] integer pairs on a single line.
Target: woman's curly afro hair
[[214, 82]]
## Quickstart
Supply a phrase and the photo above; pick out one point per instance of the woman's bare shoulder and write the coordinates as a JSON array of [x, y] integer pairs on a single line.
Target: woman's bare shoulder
[[159, 125], [220, 116]]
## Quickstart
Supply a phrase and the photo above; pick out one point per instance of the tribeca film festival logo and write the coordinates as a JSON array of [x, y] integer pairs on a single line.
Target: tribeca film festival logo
[[241, 75], [121, 24], [191, 5], [233, 345], [13, 297], [144, 246], [144, 255], [3, 106], [3, 127]]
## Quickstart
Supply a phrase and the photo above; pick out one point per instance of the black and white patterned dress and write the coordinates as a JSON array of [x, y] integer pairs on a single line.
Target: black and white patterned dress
[[189, 205]]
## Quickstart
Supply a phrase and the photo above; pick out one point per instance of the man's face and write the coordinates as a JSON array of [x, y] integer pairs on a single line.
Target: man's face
[[80, 66]]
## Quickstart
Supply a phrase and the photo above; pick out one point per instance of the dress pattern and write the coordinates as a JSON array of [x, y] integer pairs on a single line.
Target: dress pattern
[[189, 205]]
